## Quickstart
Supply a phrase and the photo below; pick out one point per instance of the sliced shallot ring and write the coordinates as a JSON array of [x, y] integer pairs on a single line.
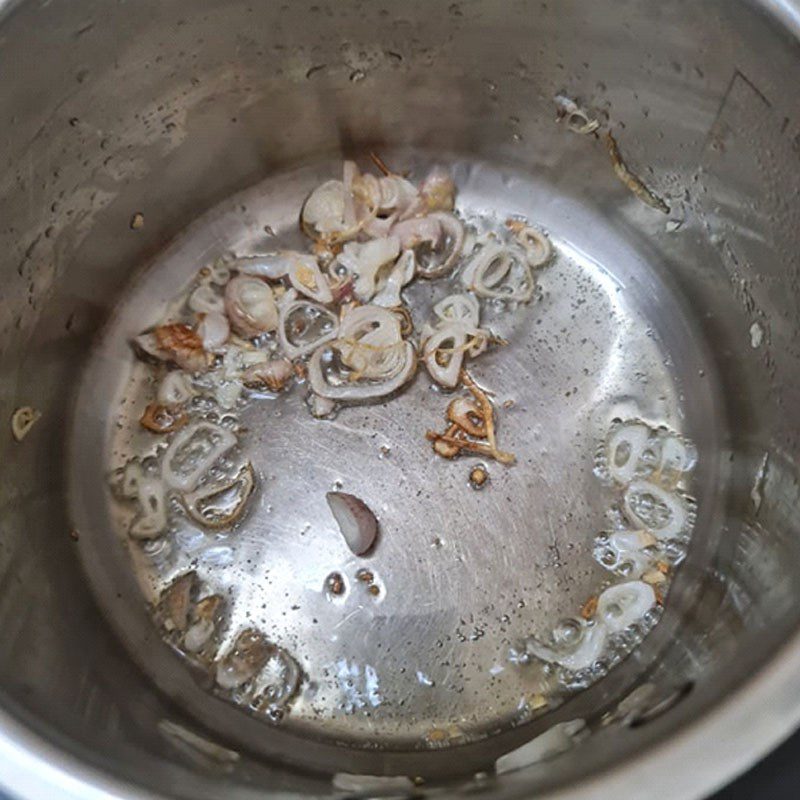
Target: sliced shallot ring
[[214, 331], [402, 273], [187, 480], [355, 519], [146, 348], [589, 649], [397, 193], [489, 271], [461, 307], [454, 230], [132, 474], [175, 601], [620, 606], [365, 260], [323, 211], [370, 342], [274, 374], [307, 278], [152, 519], [456, 337], [277, 694], [288, 306], [242, 485], [417, 231], [206, 300], [350, 174], [624, 450], [359, 390], [244, 660], [175, 388], [205, 617], [272, 266], [678, 512], [250, 305], [535, 243]]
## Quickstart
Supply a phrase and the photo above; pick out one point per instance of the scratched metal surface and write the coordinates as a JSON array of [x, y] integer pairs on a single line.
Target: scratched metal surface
[[462, 573]]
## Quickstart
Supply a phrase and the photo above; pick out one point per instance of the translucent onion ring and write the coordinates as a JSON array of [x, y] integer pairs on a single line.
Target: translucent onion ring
[[460, 307], [620, 606], [678, 510], [242, 484], [453, 229], [474, 276], [359, 390], [288, 306], [402, 273], [456, 337], [588, 650], [370, 342], [186, 480]]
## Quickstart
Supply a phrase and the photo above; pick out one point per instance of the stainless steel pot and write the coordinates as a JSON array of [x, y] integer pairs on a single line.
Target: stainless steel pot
[[165, 109]]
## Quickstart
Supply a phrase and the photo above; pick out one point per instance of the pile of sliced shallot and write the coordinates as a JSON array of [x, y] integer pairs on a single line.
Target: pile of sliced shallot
[[333, 319], [653, 517]]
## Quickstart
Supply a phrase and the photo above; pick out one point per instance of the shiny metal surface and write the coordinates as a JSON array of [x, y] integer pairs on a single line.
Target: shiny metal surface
[[169, 109]]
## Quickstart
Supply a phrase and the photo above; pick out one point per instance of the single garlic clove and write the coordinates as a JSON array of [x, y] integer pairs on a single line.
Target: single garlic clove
[[357, 523]]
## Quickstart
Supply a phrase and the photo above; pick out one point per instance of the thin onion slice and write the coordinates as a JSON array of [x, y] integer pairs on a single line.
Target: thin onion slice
[[588, 649], [274, 374], [132, 474], [370, 343], [417, 231], [620, 606], [462, 308], [244, 660], [662, 513], [453, 233], [290, 306], [206, 300], [278, 682], [192, 452], [356, 522], [214, 331], [358, 390], [499, 271], [307, 278], [272, 266], [402, 274], [302, 270], [536, 244], [455, 335], [175, 388], [175, 602], [364, 260], [624, 450], [152, 519], [205, 616], [250, 305], [221, 504], [323, 211], [443, 354]]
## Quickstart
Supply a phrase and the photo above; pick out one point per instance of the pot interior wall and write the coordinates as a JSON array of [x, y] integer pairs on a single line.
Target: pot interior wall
[[167, 109]]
